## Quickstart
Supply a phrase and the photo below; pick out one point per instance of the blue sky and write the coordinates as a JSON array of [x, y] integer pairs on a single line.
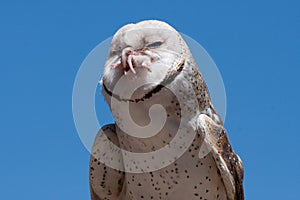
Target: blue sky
[[255, 45]]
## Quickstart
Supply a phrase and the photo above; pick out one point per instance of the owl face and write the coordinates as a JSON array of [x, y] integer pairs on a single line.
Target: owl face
[[145, 52]]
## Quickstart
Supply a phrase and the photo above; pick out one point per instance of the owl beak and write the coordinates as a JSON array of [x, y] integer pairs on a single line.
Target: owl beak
[[127, 59]]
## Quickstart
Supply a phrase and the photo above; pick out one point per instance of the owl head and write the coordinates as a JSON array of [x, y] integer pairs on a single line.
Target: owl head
[[142, 56]]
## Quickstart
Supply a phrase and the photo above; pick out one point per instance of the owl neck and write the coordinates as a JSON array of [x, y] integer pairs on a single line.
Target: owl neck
[[171, 112]]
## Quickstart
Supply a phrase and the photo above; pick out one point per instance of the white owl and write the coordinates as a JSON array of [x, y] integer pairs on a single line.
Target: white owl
[[167, 142]]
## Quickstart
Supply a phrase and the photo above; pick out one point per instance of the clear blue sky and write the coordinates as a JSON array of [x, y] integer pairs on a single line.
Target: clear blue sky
[[256, 46]]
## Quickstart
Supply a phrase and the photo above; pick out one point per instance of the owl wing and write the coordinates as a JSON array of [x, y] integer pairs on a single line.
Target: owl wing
[[227, 161], [106, 182]]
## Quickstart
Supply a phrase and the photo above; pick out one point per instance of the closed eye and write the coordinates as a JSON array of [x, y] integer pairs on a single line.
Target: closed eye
[[154, 44], [115, 52]]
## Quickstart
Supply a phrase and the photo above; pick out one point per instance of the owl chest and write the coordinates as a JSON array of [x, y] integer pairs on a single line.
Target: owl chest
[[192, 176]]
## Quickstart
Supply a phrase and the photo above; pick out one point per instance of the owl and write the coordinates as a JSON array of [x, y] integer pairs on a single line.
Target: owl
[[168, 141]]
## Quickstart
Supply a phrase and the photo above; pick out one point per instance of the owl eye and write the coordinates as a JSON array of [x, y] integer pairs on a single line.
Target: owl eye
[[115, 52], [154, 44]]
